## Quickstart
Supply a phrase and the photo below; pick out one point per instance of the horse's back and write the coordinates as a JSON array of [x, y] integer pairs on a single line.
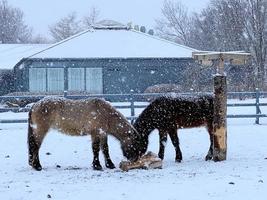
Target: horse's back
[[60, 113], [183, 104], [66, 106], [186, 111], [75, 117]]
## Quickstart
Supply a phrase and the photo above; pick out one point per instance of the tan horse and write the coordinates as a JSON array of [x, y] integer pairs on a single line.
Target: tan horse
[[78, 118]]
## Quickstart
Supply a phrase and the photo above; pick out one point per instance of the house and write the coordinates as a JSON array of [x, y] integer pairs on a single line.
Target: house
[[10, 55], [110, 58]]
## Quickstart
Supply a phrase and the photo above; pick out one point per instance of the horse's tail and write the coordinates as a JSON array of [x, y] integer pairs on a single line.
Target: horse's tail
[[31, 140], [30, 131]]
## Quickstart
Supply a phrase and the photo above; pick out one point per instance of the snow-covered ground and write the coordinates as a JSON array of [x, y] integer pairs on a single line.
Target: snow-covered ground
[[242, 176]]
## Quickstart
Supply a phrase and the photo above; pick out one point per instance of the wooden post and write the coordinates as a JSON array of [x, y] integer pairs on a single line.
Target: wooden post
[[258, 111], [220, 68], [132, 108], [220, 123], [66, 78], [65, 94], [220, 99]]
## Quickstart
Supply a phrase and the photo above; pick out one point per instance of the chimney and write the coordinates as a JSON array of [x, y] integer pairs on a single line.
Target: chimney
[[151, 32], [143, 29]]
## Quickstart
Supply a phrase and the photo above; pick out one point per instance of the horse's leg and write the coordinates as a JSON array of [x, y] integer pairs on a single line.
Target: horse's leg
[[96, 148], [104, 147], [175, 141], [162, 143], [210, 152], [35, 139]]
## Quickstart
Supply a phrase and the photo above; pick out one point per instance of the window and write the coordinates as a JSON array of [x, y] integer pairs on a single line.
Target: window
[[76, 79], [79, 79], [94, 80], [55, 79], [37, 80]]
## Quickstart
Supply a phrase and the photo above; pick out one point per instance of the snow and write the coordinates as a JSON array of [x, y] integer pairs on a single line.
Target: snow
[[227, 53], [115, 44], [68, 174], [11, 54]]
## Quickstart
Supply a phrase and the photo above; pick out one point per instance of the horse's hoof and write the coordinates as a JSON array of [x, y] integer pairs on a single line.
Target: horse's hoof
[[178, 158], [161, 156], [97, 167], [38, 168], [110, 165], [208, 157], [36, 165]]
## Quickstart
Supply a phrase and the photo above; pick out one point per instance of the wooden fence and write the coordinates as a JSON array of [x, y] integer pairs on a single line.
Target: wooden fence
[[135, 99]]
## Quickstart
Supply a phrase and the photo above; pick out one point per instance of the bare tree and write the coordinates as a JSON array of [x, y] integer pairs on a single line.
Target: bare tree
[[92, 17], [39, 39], [256, 31], [235, 25], [220, 26], [203, 32], [13, 29], [175, 22], [224, 25], [65, 27]]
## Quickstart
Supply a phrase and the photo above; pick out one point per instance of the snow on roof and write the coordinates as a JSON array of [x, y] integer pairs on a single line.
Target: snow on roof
[[243, 53], [115, 42], [11, 54], [106, 23]]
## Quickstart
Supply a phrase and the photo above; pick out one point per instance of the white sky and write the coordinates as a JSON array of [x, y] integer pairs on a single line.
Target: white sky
[[41, 13]]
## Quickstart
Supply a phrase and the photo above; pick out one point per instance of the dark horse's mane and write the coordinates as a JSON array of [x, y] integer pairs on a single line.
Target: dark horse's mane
[[169, 113]]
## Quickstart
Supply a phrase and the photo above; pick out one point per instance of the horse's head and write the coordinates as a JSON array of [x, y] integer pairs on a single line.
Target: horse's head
[[144, 125], [143, 130], [142, 143], [134, 146]]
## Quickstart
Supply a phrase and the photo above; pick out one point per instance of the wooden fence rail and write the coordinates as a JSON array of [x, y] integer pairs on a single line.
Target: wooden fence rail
[[135, 99]]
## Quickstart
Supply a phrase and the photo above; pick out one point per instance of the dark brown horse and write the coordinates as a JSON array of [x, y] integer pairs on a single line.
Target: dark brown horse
[[167, 114], [78, 118]]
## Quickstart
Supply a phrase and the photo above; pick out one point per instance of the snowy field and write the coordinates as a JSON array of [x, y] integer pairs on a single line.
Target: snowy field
[[67, 172]]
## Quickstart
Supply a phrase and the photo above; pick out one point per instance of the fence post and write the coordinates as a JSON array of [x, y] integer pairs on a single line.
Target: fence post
[[132, 108], [65, 94], [258, 111], [219, 122]]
